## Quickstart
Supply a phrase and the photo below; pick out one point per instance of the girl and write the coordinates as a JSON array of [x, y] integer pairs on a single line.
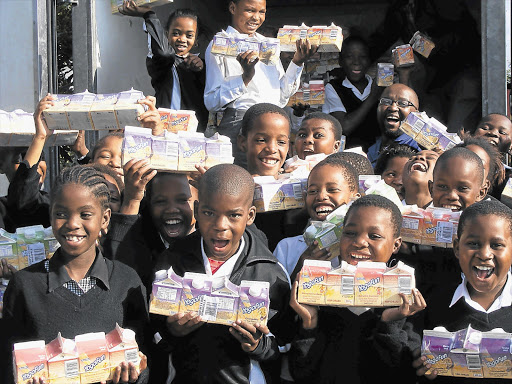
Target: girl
[[177, 75], [78, 290]]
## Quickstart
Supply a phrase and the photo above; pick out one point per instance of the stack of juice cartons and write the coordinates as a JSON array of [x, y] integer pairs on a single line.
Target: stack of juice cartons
[[178, 120], [283, 193], [327, 38]]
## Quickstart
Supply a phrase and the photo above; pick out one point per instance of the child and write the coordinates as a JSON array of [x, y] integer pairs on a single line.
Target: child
[[416, 176], [483, 248], [318, 133], [360, 162], [331, 183], [333, 343], [77, 290], [235, 84], [225, 245], [496, 128], [354, 100], [390, 165], [177, 75], [115, 185]]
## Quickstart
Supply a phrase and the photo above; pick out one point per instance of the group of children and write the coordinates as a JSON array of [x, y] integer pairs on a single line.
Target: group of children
[[117, 225]]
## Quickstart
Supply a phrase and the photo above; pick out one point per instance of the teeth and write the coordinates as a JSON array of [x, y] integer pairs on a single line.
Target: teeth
[[483, 272], [323, 211], [482, 268], [74, 239], [419, 167], [173, 221], [269, 161], [360, 257], [451, 206]]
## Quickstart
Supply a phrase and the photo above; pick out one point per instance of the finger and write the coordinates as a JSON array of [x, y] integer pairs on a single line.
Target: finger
[[143, 361], [132, 373], [117, 375], [293, 297], [125, 372], [247, 327], [150, 104]]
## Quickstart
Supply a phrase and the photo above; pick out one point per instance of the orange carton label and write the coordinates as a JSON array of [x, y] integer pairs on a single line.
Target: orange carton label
[[94, 362], [122, 347], [399, 279], [30, 361], [438, 229], [340, 286], [313, 277], [369, 284], [412, 225], [62, 361]]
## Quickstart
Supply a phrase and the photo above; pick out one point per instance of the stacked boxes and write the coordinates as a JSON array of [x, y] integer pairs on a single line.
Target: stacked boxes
[[422, 44], [30, 361], [268, 49], [284, 193], [328, 38], [115, 4], [178, 120]]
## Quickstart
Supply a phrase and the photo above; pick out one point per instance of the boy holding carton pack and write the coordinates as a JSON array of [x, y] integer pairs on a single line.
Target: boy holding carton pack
[[225, 245], [483, 249], [344, 337]]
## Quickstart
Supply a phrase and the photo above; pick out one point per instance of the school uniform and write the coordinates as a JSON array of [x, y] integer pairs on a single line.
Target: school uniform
[[376, 148]]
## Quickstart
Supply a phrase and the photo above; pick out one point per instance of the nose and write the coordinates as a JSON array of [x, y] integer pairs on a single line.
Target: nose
[[360, 241], [308, 139], [492, 133], [485, 253], [221, 223], [73, 222], [271, 146], [322, 195], [398, 181], [452, 195], [115, 162]]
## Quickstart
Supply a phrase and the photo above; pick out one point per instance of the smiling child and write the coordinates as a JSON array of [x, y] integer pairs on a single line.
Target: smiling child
[[318, 133]]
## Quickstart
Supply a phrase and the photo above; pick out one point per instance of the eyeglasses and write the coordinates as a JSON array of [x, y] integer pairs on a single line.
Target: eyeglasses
[[399, 103]]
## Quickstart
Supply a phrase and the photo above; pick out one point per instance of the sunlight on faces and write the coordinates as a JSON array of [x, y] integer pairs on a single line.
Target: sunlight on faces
[[419, 169], [247, 15], [496, 129], [316, 136], [368, 236], [182, 34], [110, 154], [390, 117], [392, 174]]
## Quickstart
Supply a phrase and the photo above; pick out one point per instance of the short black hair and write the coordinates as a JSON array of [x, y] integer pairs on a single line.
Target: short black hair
[[391, 151], [354, 39], [379, 202], [183, 12], [465, 154], [158, 176], [106, 170], [362, 165], [101, 142], [345, 168], [258, 110], [335, 123], [485, 118], [227, 179], [484, 208]]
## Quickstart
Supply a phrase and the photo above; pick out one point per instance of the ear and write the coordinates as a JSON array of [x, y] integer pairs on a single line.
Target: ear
[[397, 244], [456, 247], [337, 144], [251, 215], [241, 142], [483, 191], [41, 168], [106, 218], [232, 7]]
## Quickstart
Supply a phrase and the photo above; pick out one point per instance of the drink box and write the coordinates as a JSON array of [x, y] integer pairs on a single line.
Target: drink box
[[221, 306], [128, 109], [30, 243], [432, 134], [164, 152], [218, 150], [366, 181], [436, 346], [385, 74], [78, 111], [332, 39], [195, 287], [94, 363], [62, 361], [382, 189], [122, 347], [272, 194], [136, 144], [398, 279], [414, 123], [166, 293], [29, 361], [438, 229], [220, 43], [55, 116], [465, 353], [269, 51], [297, 33], [339, 287], [412, 224], [314, 34], [284, 36], [422, 44], [8, 248], [191, 150], [403, 56], [102, 112], [495, 352], [182, 120], [254, 302], [312, 280], [369, 284], [248, 44]]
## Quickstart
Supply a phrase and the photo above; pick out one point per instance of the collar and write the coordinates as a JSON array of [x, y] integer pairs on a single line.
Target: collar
[[503, 300], [166, 244], [232, 31], [226, 268], [366, 92], [58, 275]]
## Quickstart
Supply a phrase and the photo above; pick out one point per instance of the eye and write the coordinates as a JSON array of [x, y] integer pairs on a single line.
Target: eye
[[484, 128], [259, 139], [235, 215], [390, 174], [301, 135], [504, 133], [375, 236], [463, 189], [497, 245], [318, 135], [472, 244], [333, 190], [190, 36], [86, 215], [441, 186], [207, 213], [312, 191], [349, 233], [60, 215], [282, 142]]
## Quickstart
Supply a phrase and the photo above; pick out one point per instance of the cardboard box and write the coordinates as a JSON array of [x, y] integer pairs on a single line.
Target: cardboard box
[[166, 293], [128, 109], [312, 282], [398, 279], [403, 56], [102, 111], [78, 111], [340, 285], [314, 35], [122, 347], [5, 128], [436, 346], [369, 284], [496, 354], [254, 302], [55, 116], [366, 181], [94, 362], [30, 361], [272, 194], [422, 44], [195, 287], [63, 366], [221, 307], [191, 151], [385, 74]]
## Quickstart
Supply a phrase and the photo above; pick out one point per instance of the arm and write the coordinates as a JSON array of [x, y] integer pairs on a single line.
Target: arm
[[42, 132]]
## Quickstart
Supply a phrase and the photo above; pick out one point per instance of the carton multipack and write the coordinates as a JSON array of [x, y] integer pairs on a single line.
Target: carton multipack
[[385, 74], [178, 120], [78, 110], [221, 306], [56, 116], [283, 193], [340, 285], [94, 361], [115, 4], [254, 302], [62, 358], [30, 361], [195, 287], [122, 347], [103, 113], [328, 38], [402, 56], [312, 93], [30, 243], [422, 44], [8, 248], [166, 293]]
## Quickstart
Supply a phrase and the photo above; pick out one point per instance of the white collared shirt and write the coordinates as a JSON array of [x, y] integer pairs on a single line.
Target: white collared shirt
[[226, 268], [225, 87], [333, 102], [503, 300]]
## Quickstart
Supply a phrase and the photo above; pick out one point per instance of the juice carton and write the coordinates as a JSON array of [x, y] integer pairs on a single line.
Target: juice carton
[[317, 92], [275, 195], [422, 44], [30, 361], [8, 248], [438, 229], [50, 243], [339, 288], [254, 302], [369, 284], [30, 243], [127, 108], [284, 35], [465, 353], [311, 231], [78, 111], [122, 346], [314, 34], [248, 44], [94, 362], [232, 48], [102, 112], [55, 116], [414, 123], [506, 195], [366, 181], [59, 138], [436, 346], [166, 293], [403, 56], [412, 224], [495, 352], [398, 279], [164, 152], [195, 287], [62, 361], [191, 150], [382, 189], [298, 32], [23, 128], [218, 150], [183, 120], [136, 144], [332, 39], [312, 280], [221, 306], [385, 74], [220, 44], [269, 51]]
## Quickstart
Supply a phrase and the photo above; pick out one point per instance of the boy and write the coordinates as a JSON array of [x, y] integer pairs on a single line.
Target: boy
[[484, 252], [496, 128], [225, 245], [345, 338], [318, 133], [416, 177]]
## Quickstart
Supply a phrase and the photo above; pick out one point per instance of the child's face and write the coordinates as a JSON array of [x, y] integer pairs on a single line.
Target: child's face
[[496, 129], [456, 185], [172, 206], [315, 136], [266, 144], [327, 190], [115, 194], [182, 34], [110, 154], [355, 60], [77, 219], [419, 168], [247, 15], [392, 175], [222, 220], [368, 236], [390, 117], [484, 251]]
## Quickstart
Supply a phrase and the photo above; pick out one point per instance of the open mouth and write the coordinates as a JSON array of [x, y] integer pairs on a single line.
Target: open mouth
[[181, 47], [219, 245], [483, 272], [356, 257], [172, 227], [253, 25], [269, 161], [452, 207], [74, 238], [418, 166], [323, 210]]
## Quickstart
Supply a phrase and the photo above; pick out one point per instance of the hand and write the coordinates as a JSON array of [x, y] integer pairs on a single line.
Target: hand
[[137, 174], [422, 367], [248, 335], [129, 8], [37, 380], [304, 51], [308, 313], [196, 176], [299, 109], [151, 118], [248, 60], [128, 372], [375, 91], [194, 63], [42, 130], [79, 146], [6, 270], [315, 253], [182, 324], [406, 309]]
